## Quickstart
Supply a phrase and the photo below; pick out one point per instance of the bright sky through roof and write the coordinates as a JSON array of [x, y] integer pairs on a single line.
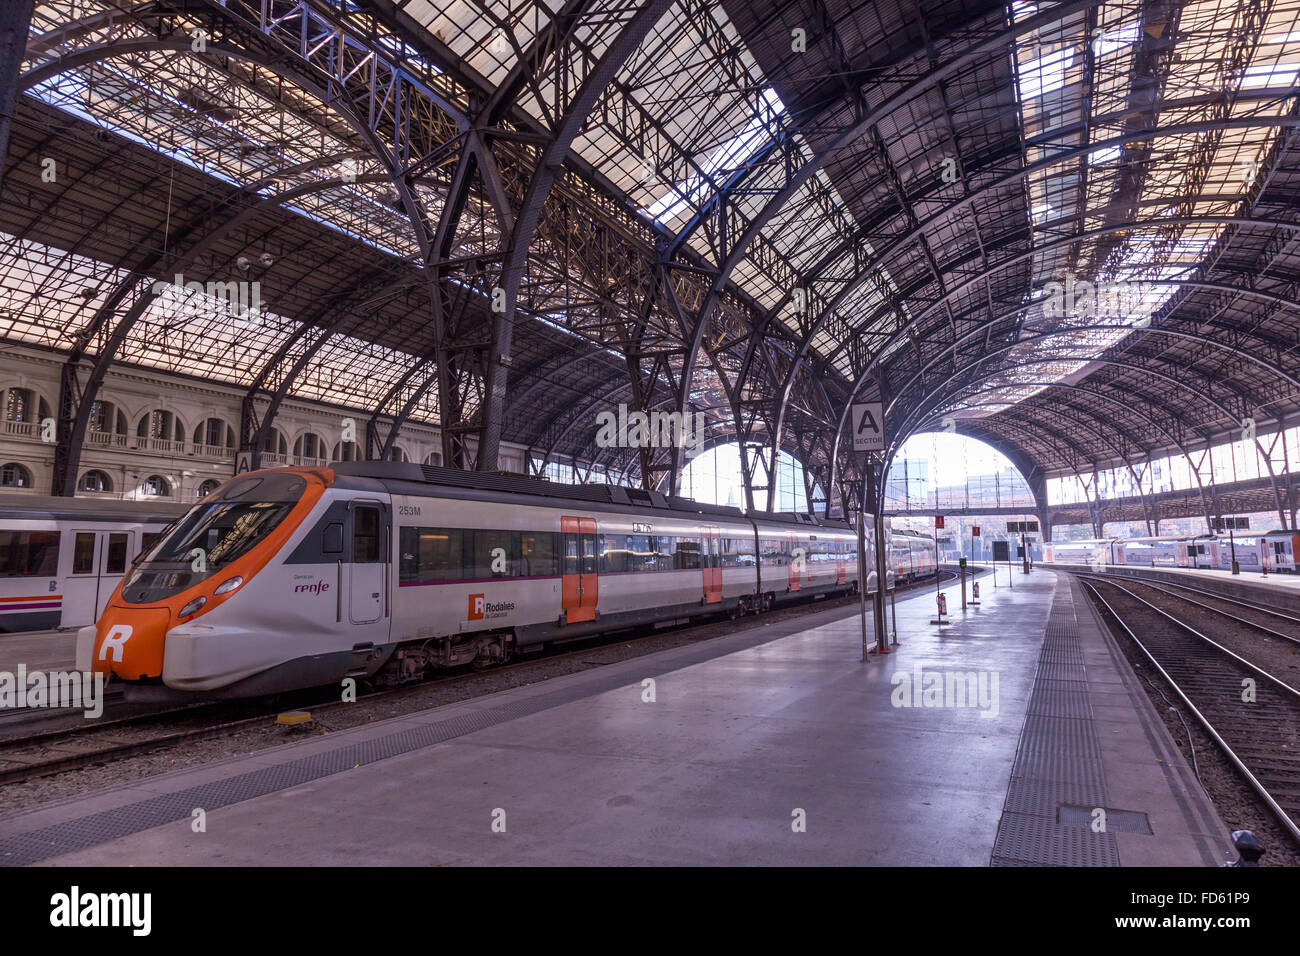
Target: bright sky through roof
[[733, 153]]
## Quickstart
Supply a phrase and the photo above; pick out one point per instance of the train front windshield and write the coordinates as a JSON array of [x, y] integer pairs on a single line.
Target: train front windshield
[[215, 532]]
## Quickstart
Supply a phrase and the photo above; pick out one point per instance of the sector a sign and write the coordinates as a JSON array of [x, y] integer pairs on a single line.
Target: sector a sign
[[868, 426]]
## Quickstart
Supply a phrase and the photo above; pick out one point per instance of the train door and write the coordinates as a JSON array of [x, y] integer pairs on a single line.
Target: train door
[[841, 562], [711, 563], [796, 560], [367, 578], [579, 586]]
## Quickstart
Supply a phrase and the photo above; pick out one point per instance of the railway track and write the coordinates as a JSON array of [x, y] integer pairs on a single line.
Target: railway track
[[43, 752], [1270, 620], [1251, 715]]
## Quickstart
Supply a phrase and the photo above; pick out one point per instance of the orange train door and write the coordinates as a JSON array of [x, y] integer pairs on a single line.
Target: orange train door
[[578, 583], [796, 563], [711, 562]]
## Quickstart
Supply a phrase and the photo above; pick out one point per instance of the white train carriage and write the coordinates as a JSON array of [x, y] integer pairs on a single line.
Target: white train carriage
[[1092, 551], [912, 555], [297, 577], [1282, 548], [1165, 551], [62, 558]]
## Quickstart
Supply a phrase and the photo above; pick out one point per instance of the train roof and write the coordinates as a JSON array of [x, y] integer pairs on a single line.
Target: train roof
[[411, 478], [16, 506]]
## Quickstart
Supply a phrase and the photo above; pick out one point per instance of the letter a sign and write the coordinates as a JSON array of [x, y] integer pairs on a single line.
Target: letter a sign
[[868, 426]]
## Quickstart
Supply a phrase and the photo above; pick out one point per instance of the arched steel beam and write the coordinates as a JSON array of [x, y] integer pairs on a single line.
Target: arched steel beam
[[69, 446], [342, 312], [549, 164], [1151, 330], [1101, 427], [851, 135], [880, 260], [942, 398], [1066, 242], [72, 430]]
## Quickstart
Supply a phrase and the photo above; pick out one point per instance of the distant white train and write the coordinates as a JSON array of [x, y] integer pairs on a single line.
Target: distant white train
[[1255, 551], [297, 577], [62, 558]]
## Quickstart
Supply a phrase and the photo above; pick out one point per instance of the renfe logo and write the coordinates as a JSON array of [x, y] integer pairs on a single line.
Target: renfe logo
[[477, 602], [117, 636]]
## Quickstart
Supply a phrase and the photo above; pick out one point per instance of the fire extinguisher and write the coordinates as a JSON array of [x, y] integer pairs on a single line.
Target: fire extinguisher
[[943, 603]]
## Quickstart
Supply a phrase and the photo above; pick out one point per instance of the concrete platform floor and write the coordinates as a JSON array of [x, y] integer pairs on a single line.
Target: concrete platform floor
[[765, 747], [39, 650]]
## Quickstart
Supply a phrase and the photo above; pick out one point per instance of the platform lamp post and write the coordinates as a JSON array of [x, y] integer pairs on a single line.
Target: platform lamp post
[[868, 421]]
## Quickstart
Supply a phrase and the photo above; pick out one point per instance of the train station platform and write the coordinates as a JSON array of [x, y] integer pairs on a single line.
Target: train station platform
[[773, 745], [38, 650]]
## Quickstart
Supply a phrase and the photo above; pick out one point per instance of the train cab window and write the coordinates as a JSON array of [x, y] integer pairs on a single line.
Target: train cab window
[[29, 554], [366, 531], [332, 538], [115, 561], [83, 553], [238, 517]]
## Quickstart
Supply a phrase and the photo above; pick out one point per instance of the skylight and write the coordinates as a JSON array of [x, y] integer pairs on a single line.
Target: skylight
[[731, 155]]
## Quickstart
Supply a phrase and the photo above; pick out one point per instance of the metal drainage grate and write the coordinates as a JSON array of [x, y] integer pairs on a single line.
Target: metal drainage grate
[[1058, 762], [1123, 821]]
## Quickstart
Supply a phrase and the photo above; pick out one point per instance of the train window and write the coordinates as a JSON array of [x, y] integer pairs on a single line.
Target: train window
[[663, 547], [688, 555], [83, 553], [332, 538], [429, 555], [614, 554], [29, 553], [569, 554], [589, 558], [537, 550], [115, 562], [493, 556], [366, 531], [640, 556]]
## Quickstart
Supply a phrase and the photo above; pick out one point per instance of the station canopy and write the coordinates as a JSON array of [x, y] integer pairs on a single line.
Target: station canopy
[[1068, 229]]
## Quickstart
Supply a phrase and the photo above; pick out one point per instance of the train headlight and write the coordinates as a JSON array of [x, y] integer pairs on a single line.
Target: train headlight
[[193, 607], [225, 587]]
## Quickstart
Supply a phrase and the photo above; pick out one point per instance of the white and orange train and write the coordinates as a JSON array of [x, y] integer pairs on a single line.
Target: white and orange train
[[1275, 551], [297, 577]]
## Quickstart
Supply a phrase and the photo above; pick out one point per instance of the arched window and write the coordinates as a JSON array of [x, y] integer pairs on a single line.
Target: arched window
[[106, 419], [14, 475], [309, 445], [95, 481], [214, 432], [161, 425], [207, 488], [397, 454], [433, 458], [347, 451], [20, 405], [156, 486], [277, 445]]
